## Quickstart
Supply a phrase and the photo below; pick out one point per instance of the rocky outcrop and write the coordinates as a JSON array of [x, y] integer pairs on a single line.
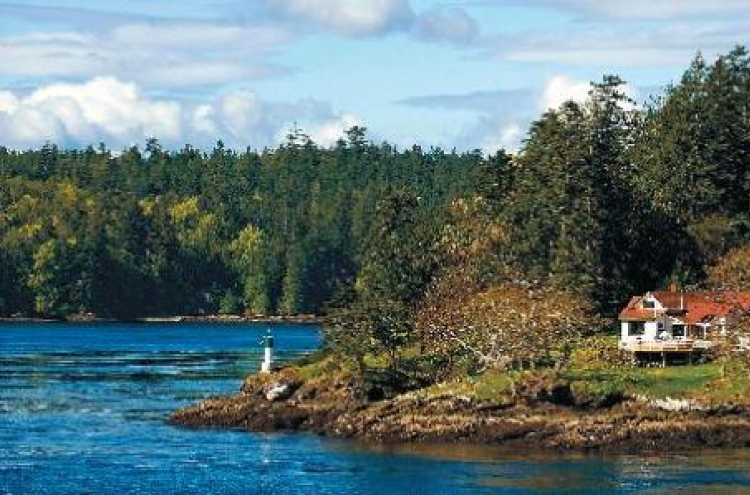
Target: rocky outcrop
[[339, 406], [276, 401]]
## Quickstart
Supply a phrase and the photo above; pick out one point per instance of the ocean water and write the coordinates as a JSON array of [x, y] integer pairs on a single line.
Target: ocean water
[[83, 409]]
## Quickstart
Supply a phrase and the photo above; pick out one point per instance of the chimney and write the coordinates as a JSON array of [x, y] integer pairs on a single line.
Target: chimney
[[673, 287]]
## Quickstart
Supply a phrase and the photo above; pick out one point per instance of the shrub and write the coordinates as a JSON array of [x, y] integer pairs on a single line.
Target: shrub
[[599, 353], [596, 394]]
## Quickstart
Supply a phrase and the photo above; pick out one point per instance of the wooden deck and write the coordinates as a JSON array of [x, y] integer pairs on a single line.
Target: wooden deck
[[665, 345]]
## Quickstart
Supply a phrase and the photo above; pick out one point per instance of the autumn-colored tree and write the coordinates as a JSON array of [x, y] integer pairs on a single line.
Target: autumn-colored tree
[[731, 343], [513, 324], [740, 331], [732, 271]]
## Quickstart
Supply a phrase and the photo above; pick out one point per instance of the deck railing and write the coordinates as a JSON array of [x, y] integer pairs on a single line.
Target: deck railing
[[687, 345]]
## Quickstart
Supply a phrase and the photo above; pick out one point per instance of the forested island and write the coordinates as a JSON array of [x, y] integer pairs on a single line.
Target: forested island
[[498, 274]]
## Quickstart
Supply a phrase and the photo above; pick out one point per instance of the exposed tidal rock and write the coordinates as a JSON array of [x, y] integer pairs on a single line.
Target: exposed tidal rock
[[339, 406]]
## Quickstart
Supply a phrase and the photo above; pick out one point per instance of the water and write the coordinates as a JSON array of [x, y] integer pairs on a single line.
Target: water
[[82, 410]]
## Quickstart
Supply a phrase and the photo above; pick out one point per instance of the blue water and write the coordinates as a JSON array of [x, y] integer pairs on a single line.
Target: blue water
[[82, 410]]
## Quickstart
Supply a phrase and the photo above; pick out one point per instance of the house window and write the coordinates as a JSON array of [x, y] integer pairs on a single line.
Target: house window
[[678, 331], [637, 328], [649, 304]]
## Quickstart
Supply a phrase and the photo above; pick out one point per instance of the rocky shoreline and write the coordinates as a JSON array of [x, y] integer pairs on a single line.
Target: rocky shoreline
[[338, 407], [91, 318]]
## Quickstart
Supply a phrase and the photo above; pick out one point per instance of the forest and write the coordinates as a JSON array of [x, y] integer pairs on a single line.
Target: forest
[[604, 199]]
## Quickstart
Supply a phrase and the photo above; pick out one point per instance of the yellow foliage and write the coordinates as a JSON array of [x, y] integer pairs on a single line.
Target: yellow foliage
[[147, 206], [29, 231], [512, 322], [185, 210], [246, 247], [68, 193], [732, 272]]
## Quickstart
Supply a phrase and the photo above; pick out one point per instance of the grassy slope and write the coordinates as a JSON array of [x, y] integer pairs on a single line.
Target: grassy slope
[[596, 375]]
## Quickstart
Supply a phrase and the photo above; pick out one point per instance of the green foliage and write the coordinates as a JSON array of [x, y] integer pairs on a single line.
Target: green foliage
[[599, 353], [494, 384], [397, 265], [569, 204], [674, 381], [691, 151], [152, 232], [230, 304], [604, 199], [248, 256], [597, 393]]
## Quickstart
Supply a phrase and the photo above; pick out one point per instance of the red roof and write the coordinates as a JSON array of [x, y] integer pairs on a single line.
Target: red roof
[[634, 311], [693, 307]]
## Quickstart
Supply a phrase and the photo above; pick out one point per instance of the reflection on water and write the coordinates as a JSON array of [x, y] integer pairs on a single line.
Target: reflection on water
[[499, 469], [82, 409]]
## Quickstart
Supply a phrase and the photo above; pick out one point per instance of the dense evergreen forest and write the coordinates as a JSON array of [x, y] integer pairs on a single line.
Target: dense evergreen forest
[[154, 232], [604, 198]]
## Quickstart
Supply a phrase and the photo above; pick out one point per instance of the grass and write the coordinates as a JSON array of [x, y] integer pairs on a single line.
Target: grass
[[591, 375], [676, 381], [321, 364], [703, 382], [493, 384]]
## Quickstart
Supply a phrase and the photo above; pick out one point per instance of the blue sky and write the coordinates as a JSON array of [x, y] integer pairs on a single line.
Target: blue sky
[[465, 74]]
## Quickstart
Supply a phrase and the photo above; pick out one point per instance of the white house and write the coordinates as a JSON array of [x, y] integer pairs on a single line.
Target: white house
[[677, 321]]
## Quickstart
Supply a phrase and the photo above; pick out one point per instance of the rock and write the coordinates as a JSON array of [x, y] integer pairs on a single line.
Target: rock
[[281, 391], [340, 405], [677, 405]]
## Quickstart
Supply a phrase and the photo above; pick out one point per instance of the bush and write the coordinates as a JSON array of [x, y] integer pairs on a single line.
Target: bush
[[599, 353], [597, 394]]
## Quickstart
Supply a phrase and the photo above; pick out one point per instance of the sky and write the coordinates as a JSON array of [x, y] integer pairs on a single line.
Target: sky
[[456, 74]]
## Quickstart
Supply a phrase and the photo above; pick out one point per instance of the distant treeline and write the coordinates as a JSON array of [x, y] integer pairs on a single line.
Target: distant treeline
[[605, 197], [149, 232]]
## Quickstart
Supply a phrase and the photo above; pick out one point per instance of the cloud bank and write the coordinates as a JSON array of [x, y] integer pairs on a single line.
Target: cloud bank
[[643, 9], [368, 18], [347, 18], [168, 54], [504, 116], [119, 114]]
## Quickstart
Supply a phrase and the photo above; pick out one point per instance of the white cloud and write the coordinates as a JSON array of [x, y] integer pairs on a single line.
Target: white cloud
[[560, 89], [241, 118], [203, 120], [101, 109], [648, 9], [168, 54], [327, 133], [363, 18], [50, 54], [502, 117], [505, 136], [347, 17], [8, 102], [119, 114], [626, 43], [446, 24]]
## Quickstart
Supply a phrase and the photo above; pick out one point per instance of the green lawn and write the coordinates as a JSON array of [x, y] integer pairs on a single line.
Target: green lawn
[[703, 382], [676, 381]]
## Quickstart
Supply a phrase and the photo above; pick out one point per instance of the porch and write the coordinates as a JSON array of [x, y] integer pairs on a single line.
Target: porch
[[666, 345]]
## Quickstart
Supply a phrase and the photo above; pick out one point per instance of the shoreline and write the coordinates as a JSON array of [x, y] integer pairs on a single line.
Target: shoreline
[[297, 320], [338, 408]]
